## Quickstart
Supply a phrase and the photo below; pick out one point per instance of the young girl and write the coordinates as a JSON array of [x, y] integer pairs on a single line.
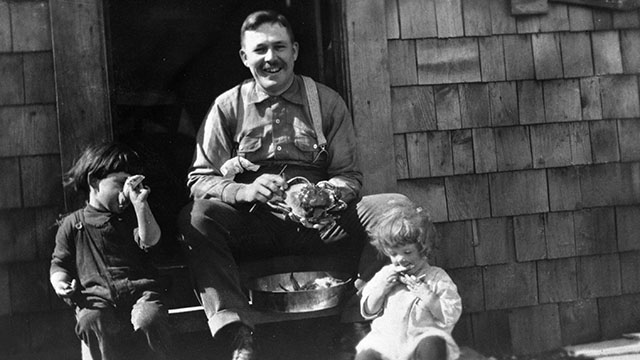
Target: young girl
[[100, 265], [414, 306]]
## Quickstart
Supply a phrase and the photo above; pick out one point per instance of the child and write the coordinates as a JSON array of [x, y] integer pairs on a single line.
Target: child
[[100, 265], [414, 306]]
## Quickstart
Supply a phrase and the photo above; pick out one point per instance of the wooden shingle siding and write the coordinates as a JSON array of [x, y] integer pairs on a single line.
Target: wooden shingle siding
[[403, 69], [418, 155], [604, 141], [628, 227], [580, 18], [580, 144], [12, 85], [476, 17], [475, 110], [628, 136], [557, 19], [428, 193], [529, 237], [607, 58], [501, 20], [619, 97], [510, 285], [530, 102], [449, 18], [546, 56], [518, 57], [564, 189], [590, 98], [491, 332], [484, 150], [400, 150], [630, 51], [551, 145], [529, 7], [629, 272], [417, 19], [5, 296], [503, 98], [462, 149], [528, 24], [455, 245], [579, 321], [559, 233], [447, 102], [513, 148], [38, 78], [491, 58], [576, 54], [10, 187], [445, 61], [495, 244], [392, 19], [557, 280], [30, 130], [5, 27], [413, 109], [30, 26], [34, 297], [625, 19], [440, 153], [599, 276], [595, 231], [602, 19], [562, 100], [619, 315], [467, 197], [534, 328], [40, 180], [469, 282]]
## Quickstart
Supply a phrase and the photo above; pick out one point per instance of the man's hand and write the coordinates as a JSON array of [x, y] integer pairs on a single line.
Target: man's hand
[[64, 288], [263, 189]]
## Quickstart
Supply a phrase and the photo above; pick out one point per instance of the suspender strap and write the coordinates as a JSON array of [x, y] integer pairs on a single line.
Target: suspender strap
[[314, 109]]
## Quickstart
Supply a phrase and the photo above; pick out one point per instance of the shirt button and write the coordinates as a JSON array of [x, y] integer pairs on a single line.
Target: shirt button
[[277, 121], [279, 148], [315, 146]]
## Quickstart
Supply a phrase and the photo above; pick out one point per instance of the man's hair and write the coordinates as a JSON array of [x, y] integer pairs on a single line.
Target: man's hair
[[258, 18], [403, 223], [98, 161]]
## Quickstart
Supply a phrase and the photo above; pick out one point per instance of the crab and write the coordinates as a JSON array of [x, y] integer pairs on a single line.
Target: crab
[[310, 204]]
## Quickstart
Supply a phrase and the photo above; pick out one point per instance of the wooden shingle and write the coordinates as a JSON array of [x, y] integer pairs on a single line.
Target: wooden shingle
[[580, 143], [535, 329], [440, 153], [403, 69], [607, 58], [557, 280], [513, 148], [576, 54], [595, 231], [579, 321], [619, 315], [518, 57], [5, 296], [529, 7], [392, 19], [562, 100], [495, 244], [559, 232], [467, 197], [12, 85], [528, 24], [462, 149], [491, 58], [630, 49], [447, 104], [5, 27], [547, 56], [40, 180], [619, 97], [39, 130], [530, 102], [455, 245], [528, 232], [590, 98], [501, 20], [628, 227], [34, 297], [417, 19], [510, 285], [629, 271], [12, 125], [564, 189], [418, 155], [604, 141], [475, 110], [580, 18], [444, 61], [626, 19], [604, 185], [30, 25], [551, 145], [491, 332], [630, 189], [476, 17], [10, 185], [484, 150], [463, 331], [18, 242], [45, 230], [557, 19], [38, 78], [469, 283], [413, 109], [602, 19], [400, 151], [599, 276], [449, 18], [428, 193], [503, 97]]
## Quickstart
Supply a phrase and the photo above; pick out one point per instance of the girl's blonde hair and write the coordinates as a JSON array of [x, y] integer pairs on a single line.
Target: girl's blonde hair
[[404, 224]]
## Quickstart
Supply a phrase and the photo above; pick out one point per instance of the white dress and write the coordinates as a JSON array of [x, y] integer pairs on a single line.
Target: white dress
[[404, 320]]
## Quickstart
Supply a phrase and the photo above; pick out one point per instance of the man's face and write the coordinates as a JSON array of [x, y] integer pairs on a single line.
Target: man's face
[[269, 54]]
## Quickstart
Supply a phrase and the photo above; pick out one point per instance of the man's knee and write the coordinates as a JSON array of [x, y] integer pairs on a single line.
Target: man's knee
[[99, 321], [148, 313]]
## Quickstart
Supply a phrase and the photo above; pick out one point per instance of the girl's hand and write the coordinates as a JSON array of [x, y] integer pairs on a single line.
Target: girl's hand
[[65, 289], [135, 191], [418, 287], [386, 278]]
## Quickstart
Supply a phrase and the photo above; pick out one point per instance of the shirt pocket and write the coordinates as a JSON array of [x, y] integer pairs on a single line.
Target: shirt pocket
[[249, 145], [306, 143]]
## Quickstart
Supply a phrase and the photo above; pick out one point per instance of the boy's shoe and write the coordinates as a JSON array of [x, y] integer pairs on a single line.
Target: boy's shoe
[[244, 347]]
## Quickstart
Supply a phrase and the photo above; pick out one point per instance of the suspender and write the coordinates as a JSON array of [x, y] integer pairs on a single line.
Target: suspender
[[314, 109]]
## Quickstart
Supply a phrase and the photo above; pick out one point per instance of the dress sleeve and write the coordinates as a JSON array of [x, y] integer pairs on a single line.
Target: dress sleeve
[[450, 301]]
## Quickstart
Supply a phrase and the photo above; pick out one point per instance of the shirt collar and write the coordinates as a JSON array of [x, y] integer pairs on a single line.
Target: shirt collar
[[96, 217], [292, 94]]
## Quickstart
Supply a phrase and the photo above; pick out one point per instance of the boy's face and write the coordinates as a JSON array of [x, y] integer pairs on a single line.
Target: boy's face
[[407, 257], [105, 194]]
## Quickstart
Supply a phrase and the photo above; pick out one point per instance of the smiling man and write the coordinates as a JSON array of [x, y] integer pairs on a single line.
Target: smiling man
[[255, 137]]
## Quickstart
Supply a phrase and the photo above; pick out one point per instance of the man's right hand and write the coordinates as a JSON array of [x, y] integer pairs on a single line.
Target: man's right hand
[[263, 189]]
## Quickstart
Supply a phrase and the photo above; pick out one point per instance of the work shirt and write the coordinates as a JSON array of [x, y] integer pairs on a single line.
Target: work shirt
[[102, 250], [272, 131]]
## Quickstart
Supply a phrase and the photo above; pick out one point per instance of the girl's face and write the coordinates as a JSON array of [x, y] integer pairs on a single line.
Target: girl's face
[[408, 257], [106, 194]]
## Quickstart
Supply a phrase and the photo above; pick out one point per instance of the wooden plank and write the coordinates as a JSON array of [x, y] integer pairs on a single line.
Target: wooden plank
[[39, 134], [418, 155], [510, 285], [484, 149], [564, 189], [30, 26], [413, 109], [628, 227], [619, 315], [443, 61], [604, 141], [551, 145], [440, 153], [530, 102], [535, 329], [455, 250], [602, 19], [467, 197], [590, 98], [503, 98], [595, 231], [474, 105], [449, 18], [369, 78], [462, 148], [469, 282], [417, 19], [447, 107], [11, 87], [393, 19], [579, 321], [528, 233], [607, 58], [580, 18], [38, 78], [546, 56], [559, 232], [629, 145], [495, 244], [626, 20], [599, 276], [518, 57], [429, 193], [518, 193], [10, 184], [529, 7], [630, 50], [580, 144], [557, 19], [630, 276], [576, 54], [562, 100], [403, 69], [619, 97], [5, 27], [491, 58], [476, 17], [400, 147], [501, 20], [513, 148], [41, 180]]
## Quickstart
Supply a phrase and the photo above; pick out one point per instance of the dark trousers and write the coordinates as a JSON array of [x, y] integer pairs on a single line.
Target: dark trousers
[[137, 332], [217, 235]]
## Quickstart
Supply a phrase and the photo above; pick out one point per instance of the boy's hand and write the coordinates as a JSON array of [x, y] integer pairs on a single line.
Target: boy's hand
[[64, 288], [135, 191]]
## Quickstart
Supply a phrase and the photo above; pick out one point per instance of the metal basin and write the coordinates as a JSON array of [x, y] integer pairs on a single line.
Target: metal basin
[[278, 292]]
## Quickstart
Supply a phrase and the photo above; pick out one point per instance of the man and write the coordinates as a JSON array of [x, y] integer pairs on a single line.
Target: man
[[255, 136]]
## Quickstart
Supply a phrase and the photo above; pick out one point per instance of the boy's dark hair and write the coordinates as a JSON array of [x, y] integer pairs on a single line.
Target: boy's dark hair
[[98, 161], [257, 18]]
